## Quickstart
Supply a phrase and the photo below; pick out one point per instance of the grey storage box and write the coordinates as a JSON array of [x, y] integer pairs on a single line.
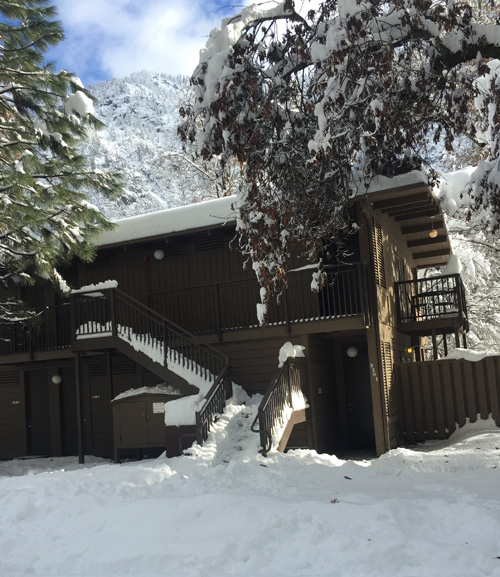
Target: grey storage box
[[139, 422]]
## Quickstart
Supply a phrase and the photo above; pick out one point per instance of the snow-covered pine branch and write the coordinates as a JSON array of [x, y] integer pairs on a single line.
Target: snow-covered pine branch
[[45, 216]]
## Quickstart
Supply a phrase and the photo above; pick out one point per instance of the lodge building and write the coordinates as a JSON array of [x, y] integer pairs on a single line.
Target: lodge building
[[181, 300]]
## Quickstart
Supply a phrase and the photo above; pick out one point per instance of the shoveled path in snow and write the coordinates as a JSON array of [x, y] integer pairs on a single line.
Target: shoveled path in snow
[[227, 511]]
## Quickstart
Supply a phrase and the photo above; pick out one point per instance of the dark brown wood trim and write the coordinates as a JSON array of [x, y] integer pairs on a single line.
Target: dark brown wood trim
[[388, 204], [431, 254], [424, 227], [426, 241], [424, 213]]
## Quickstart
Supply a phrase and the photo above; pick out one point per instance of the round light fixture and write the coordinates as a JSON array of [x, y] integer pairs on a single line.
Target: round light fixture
[[433, 232], [352, 352], [57, 379], [158, 254]]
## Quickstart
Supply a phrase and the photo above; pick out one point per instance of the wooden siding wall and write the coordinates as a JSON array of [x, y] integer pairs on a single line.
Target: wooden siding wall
[[254, 363], [434, 397], [58, 409]]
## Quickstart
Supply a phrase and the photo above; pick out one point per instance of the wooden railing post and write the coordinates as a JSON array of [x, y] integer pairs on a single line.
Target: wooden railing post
[[165, 343], [199, 429], [112, 312], [287, 311]]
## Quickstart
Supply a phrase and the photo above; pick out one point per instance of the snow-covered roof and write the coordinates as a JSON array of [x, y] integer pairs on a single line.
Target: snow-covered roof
[[200, 216], [385, 183]]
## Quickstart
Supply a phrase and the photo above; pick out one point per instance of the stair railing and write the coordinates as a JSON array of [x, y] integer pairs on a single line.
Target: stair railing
[[215, 401], [277, 405], [111, 312]]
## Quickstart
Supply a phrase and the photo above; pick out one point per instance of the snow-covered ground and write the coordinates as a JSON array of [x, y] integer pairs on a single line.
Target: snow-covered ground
[[432, 510]]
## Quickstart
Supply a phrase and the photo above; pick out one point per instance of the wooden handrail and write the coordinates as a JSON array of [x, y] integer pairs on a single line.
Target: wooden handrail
[[431, 298], [111, 311], [47, 330], [277, 399], [345, 294]]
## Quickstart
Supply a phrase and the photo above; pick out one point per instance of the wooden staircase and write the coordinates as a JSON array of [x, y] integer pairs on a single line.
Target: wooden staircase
[[109, 319], [283, 406]]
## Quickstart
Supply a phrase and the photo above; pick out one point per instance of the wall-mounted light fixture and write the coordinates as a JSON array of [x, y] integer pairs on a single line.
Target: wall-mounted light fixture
[[158, 254], [409, 350], [57, 379], [352, 352], [433, 232]]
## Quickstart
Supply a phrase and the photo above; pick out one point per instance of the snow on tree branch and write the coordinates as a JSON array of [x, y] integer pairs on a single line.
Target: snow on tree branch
[[45, 218], [315, 104]]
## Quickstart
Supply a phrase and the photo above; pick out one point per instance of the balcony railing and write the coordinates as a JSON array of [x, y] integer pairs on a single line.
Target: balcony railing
[[207, 309], [50, 329], [432, 298], [232, 305]]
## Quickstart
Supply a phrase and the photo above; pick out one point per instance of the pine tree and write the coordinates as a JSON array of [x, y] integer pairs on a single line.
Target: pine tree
[[45, 218]]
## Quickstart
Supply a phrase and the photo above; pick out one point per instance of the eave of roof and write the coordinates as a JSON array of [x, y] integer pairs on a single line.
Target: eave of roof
[[416, 211], [192, 218]]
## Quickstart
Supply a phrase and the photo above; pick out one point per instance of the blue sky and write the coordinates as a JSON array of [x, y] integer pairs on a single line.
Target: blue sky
[[112, 38]]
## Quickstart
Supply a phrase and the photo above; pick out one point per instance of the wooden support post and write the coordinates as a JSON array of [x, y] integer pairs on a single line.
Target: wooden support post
[[112, 312], [464, 338], [79, 420], [434, 345], [457, 339], [445, 344]]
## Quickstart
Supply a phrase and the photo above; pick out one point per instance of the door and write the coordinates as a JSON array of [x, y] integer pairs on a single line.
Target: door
[[12, 414], [358, 396], [37, 412], [132, 423], [156, 421]]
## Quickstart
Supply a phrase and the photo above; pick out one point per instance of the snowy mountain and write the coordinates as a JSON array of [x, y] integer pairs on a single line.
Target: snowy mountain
[[139, 140]]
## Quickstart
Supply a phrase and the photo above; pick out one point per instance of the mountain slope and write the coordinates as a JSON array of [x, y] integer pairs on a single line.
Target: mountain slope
[[140, 114]]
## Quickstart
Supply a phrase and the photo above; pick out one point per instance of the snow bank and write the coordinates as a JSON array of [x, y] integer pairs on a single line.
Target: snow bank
[[431, 511], [469, 355]]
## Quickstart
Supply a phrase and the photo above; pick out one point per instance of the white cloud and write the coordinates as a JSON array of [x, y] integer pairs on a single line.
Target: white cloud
[[112, 38]]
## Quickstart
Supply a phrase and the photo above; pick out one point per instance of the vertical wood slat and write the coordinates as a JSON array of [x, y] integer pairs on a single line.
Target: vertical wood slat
[[407, 403], [448, 397], [458, 393], [418, 407], [435, 397], [436, 385], [427, 398], [482, 397], [469, 387], [492, 383]]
